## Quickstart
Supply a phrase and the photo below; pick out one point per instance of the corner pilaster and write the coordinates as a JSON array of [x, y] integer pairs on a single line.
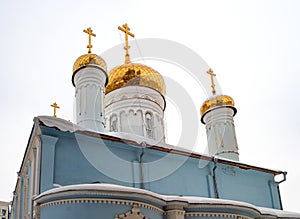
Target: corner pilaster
[[175, 211]]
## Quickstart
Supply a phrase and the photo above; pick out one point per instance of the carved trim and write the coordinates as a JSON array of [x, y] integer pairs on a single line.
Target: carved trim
[[103, 201], [36, 212], [134, 213], [212, 214], [175, 212]]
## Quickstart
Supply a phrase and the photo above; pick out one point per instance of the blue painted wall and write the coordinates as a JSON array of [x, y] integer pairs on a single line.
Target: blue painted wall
[[249, 184], [69, 158]]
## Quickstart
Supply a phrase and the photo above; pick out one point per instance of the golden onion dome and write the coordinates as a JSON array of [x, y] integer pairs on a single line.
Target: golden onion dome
[[216, 101], [132, 74], [89, 59]]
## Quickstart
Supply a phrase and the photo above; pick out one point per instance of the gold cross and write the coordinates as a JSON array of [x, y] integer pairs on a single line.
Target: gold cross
[[55, 106], [126, 30], [212, 75], [89, 31]]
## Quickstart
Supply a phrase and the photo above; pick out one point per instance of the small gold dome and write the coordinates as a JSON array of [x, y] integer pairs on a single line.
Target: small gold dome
[[89, 59], [221, 100], [135, 74]]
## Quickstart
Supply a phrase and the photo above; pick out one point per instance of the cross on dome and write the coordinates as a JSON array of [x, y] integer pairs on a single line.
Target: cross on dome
[[89, 31], [125, 28], [55, 106], [212, 75]]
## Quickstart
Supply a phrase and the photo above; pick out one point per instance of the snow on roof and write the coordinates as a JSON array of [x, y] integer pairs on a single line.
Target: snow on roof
[[59, 123], [278, 213], [119, 188], [96, 187], [188, 199]]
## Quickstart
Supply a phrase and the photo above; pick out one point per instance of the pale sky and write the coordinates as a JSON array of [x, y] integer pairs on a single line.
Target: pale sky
[[252, 46]]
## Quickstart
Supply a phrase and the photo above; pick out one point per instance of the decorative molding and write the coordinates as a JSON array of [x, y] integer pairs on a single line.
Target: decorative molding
[[175, 212], [215, 214], [36, 212], [103, 201], [134, 92], [125, 111], [134, 213]]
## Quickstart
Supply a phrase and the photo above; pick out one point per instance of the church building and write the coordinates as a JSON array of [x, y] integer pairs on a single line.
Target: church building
[[114, 161]]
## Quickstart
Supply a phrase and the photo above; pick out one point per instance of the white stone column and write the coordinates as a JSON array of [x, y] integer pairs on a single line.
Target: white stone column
[[89, 87], [220, 131]]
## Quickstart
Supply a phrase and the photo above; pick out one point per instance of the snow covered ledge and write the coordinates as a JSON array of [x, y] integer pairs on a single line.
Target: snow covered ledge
[[145, 202]]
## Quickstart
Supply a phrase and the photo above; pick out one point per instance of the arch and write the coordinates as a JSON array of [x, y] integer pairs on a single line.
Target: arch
[[124, 97], [113, 123], [149, 124]]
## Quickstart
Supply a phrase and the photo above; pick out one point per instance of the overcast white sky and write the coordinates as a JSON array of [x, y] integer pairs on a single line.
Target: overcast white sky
[[252, 46]]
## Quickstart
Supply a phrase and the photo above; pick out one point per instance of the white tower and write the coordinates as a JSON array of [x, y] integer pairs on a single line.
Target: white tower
[[217, 114], [134, 100], [89, 79]]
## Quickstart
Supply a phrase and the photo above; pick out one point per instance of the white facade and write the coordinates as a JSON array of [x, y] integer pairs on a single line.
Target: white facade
[[220, 130], [136, 109], [89, 96]]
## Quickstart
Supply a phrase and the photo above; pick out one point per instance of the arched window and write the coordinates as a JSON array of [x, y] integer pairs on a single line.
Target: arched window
[[113, 123], [149, 125]]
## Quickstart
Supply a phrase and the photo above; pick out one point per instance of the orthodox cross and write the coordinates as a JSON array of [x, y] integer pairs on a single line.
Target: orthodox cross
[[89, 31], [55, 106], [126, 30], [212, 75]]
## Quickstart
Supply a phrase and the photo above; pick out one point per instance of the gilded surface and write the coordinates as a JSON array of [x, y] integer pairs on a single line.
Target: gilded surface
[[212, 75], [88, 59], [135, 74], [222, 100], [55, 106], [89, 31], [125, 28]]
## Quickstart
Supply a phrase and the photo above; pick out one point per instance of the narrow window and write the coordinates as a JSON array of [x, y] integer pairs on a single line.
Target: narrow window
[[149, 128], [113, 123]]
